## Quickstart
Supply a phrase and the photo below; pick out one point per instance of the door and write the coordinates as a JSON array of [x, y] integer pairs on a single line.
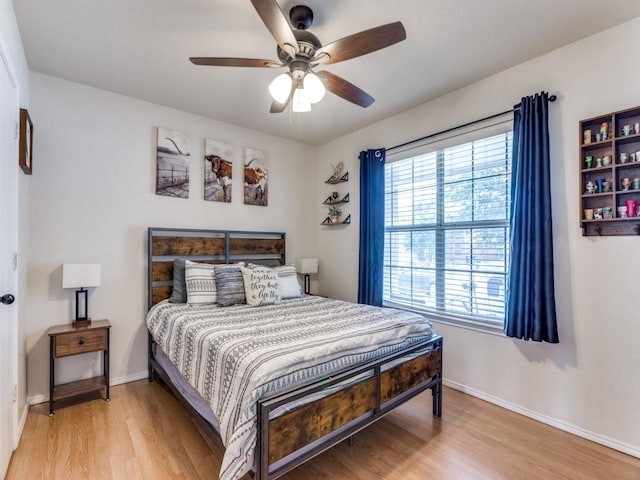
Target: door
[[8, 263]]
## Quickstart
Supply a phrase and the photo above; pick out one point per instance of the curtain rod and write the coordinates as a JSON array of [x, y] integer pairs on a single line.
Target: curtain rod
[[552, 98]]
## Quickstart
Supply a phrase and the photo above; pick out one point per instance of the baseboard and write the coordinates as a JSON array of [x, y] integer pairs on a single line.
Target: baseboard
[[21, 424], [35, 399], [554, 422]]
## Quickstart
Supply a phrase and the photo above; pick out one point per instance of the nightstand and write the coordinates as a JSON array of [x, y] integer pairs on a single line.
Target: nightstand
[[67, 340]]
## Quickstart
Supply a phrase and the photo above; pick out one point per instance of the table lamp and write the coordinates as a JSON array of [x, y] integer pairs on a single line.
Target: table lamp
[[307, 266], [81, 276]]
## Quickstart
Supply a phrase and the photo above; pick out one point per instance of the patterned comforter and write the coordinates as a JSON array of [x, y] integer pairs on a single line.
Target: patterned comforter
[[235, 355]]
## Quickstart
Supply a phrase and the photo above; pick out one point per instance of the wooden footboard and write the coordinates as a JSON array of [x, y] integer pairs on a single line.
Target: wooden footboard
[[292, 438]]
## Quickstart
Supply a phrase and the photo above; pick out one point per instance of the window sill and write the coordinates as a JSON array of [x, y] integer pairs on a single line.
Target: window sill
[[454, 320]]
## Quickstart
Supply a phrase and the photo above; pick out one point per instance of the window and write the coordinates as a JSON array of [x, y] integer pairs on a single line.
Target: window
[[447, 229]]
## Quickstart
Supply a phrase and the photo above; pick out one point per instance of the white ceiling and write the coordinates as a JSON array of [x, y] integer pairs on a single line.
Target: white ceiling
[[140, 48]]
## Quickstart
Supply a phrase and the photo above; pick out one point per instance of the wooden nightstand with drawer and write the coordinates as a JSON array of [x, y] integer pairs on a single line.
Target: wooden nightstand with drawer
[[66, 340]]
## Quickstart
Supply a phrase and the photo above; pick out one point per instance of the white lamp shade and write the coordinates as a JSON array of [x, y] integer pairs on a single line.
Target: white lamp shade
[[301, 101], [314, 87], [80, 275], [280, 87], [307, 265]]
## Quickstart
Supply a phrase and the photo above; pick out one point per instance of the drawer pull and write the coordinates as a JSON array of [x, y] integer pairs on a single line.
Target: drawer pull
[[81, 341]]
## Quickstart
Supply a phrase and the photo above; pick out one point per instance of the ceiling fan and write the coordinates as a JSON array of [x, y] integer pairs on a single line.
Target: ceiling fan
[[301, 51]]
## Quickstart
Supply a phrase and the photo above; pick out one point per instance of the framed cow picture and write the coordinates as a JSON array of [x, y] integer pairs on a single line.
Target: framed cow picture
[[218, 171], [256, 177]]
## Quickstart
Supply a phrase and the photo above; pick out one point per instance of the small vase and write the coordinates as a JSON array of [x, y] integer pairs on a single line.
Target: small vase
[[334, 218]]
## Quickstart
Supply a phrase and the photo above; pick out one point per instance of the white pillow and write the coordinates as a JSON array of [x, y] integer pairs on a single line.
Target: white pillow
[[288, 280], [260, 286], [201, 283]]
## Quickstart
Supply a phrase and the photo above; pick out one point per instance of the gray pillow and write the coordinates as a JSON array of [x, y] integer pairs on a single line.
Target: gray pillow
[[229, 284], [179, 293], [267, 262]]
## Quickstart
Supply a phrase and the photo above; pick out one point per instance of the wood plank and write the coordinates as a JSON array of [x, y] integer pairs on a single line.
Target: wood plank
[[72, 389], [304, 425], [474, 439], [257, 246], [161, 293], [163, 271], [181, 246], [405, 376]]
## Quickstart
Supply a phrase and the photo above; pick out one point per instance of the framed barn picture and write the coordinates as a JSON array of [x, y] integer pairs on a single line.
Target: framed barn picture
[[172, 163], [25, 158]]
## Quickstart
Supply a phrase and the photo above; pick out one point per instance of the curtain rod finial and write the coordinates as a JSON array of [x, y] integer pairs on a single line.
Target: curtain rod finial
[[553, 98]]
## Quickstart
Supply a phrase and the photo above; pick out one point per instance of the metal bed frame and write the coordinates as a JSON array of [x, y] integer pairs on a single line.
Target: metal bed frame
[[288, 440]]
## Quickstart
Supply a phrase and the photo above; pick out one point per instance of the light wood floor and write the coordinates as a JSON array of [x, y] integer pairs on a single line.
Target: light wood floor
[[145, 433]]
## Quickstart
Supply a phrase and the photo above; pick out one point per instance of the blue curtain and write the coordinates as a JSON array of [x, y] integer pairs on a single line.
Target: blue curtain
[[531, 310], [370, 272]]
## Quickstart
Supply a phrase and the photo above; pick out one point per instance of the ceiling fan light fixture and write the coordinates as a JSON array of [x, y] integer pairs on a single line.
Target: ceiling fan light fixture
[[301, 101], [314, 87], [280, 87]]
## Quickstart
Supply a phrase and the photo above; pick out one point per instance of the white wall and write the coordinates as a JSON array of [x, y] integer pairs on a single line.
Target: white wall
[[590, 382], [11, 49], [92, 199]]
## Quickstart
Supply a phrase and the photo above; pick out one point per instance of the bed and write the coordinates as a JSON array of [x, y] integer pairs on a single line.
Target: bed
[[285, 381]]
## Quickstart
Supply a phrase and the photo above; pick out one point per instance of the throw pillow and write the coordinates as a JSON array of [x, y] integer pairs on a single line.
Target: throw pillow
[[201, 283], [179, 292], [229, 285], [260, 286]]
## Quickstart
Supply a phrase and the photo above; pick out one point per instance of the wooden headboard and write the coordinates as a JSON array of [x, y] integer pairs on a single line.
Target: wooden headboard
[[205, 246]]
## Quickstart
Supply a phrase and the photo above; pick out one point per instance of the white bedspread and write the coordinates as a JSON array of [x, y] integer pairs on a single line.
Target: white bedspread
[[235, 355]]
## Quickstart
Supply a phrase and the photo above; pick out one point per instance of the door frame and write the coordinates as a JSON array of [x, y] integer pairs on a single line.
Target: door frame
[[16, 424]]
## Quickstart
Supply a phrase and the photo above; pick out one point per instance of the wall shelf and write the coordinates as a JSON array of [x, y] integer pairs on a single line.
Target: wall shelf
[[327, 222], [609, 156], [334, 179], [331, 201]]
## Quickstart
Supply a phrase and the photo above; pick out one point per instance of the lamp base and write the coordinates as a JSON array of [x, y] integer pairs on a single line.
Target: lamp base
[[78, 323]]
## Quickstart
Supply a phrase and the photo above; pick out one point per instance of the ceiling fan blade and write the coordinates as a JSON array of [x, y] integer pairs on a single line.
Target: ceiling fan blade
[[340, 87], [277, 107], [277, 24], [361, 43], [234, 62]]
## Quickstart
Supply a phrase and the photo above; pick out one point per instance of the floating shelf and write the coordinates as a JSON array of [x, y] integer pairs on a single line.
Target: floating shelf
[[333, 179], [328, 223], [330, 200]]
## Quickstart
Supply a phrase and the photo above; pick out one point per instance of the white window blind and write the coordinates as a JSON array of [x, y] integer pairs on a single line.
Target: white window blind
[[447, 227]]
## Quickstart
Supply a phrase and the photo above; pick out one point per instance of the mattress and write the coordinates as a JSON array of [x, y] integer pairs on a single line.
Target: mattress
[[233, 356]]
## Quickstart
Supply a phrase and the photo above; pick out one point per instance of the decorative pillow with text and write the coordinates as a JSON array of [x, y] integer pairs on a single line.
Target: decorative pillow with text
[[261, 286]]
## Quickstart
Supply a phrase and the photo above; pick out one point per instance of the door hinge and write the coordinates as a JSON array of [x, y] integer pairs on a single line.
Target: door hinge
[[15, 392], [15, 261], [15, 132]]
